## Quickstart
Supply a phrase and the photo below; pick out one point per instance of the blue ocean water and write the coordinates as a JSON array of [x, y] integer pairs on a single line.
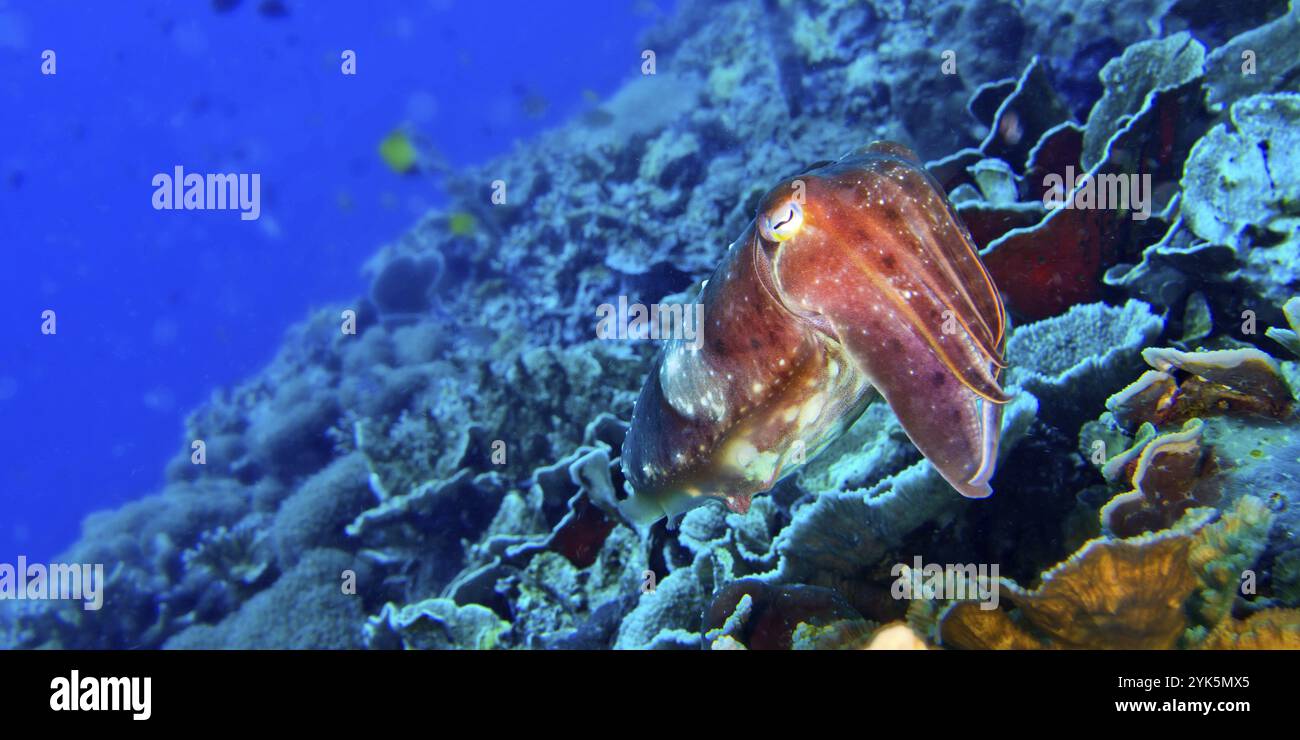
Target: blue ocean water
[[154, 309]]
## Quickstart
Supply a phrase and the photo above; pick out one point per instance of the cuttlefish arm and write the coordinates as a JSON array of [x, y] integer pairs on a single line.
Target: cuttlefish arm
[[881, 255]]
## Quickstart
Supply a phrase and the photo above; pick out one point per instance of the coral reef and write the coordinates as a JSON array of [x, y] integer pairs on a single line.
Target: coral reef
[[448, 477]]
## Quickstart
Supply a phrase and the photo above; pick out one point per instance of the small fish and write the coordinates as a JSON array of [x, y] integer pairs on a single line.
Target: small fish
[[855, 279], [462, 223], [399, 153], [408, 153]]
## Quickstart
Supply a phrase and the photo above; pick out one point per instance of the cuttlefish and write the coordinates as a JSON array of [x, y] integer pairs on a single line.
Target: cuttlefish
[[855, 280]]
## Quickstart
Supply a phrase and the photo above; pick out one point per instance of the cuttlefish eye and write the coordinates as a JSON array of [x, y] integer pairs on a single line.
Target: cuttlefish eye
[[781, 222]]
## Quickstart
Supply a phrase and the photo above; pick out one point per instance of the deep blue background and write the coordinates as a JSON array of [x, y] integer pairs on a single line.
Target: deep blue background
[[157, 308]]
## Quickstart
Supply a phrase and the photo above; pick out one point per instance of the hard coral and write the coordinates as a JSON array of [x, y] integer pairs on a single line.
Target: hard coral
[[1165, 481], [1111, 594], [1170, 471], [1240, 382], [1173, 588], [1224, 553], [1276, 629], [761, 616]]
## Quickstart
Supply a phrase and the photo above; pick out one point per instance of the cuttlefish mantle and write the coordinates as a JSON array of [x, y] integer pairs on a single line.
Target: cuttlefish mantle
[[855, 278]]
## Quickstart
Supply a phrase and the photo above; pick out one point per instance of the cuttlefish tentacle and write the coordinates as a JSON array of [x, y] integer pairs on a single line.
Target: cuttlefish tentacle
[[974, 366], [954, 252], [960, 351], [958, 258], [989, 338], [868, 259], [859, 280], [914, 226]]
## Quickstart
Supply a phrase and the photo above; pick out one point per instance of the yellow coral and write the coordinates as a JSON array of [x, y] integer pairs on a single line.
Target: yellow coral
[[1116, 593], [965, 625], [1248, 371], [845, 634], [1223, 551], [1138, 593], [1112, 593], [1143, 400], [1272, 629]]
